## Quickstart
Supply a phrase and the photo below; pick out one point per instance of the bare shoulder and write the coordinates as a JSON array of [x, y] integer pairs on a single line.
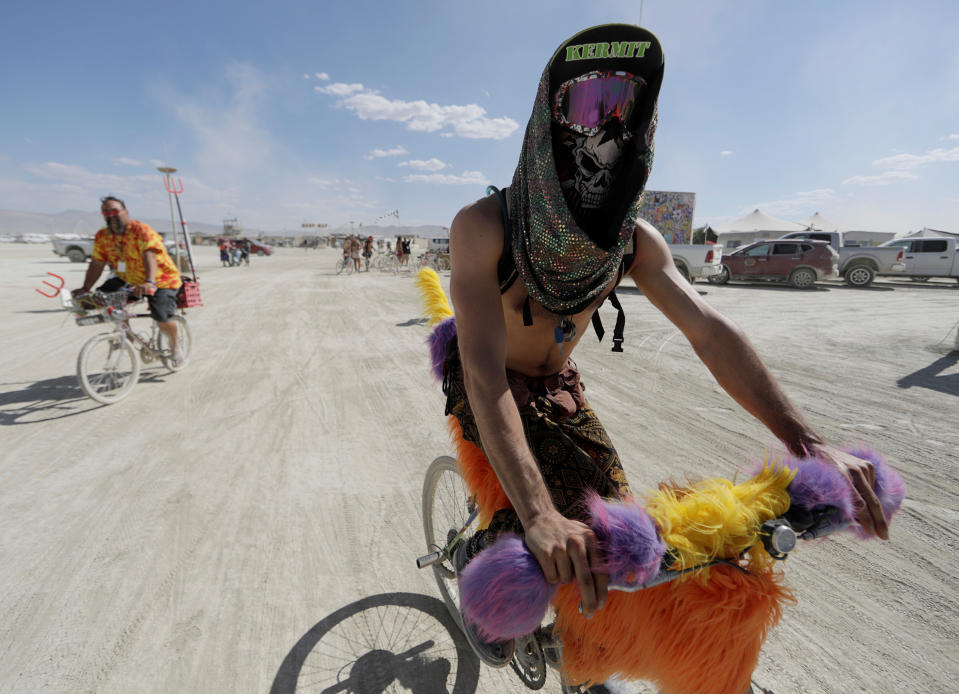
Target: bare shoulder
[[476, 233], [648, 239]]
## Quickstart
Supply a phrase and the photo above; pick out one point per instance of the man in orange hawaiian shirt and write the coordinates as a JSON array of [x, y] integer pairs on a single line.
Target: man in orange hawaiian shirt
[[138, 257]]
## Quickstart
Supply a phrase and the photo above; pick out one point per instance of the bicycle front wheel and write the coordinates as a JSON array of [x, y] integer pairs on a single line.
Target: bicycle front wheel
[[184, 342], [108, 368], [390, 264], [446, 506]]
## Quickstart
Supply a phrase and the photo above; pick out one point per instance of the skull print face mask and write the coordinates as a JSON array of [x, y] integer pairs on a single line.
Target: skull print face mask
[[587, 166], [587, 154]]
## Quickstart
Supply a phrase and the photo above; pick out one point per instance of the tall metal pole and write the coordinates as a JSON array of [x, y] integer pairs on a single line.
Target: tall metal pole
[[167, 183]]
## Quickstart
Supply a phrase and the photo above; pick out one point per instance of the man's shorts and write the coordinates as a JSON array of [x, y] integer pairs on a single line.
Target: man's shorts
[[163, 305]]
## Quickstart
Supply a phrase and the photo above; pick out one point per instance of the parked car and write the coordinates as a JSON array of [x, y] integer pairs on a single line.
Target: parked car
[[697, 261], [927, 257], [858, 265], [260, 248], [76, 249], [800, 263]]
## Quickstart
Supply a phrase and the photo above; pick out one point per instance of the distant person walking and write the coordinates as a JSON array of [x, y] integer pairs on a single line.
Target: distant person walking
[[368, 251], [355, 248]]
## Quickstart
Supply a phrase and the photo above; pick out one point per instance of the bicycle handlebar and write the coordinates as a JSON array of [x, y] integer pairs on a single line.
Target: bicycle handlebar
[[504, 594]]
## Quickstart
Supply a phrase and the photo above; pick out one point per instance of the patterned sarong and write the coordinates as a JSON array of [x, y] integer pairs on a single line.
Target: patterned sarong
[[569, 443]]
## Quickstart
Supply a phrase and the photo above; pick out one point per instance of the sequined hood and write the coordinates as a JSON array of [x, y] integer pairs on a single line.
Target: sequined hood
[[561, 266]]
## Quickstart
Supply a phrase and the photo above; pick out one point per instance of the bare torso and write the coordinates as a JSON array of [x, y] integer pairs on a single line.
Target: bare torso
[[532, 349]]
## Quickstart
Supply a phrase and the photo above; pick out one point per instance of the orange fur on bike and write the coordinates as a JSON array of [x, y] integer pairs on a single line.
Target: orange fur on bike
[[687, 636], [478, 474], [693, 635]]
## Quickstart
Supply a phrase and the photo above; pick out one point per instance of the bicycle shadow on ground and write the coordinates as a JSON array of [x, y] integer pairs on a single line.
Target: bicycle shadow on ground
[[413, 321], [929, 376], [53, 398], [367, 646]]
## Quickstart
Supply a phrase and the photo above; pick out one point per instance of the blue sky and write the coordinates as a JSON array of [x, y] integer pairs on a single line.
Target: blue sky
[[294, 112]]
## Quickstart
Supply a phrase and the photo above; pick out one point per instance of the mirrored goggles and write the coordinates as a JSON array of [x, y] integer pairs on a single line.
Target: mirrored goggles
[[586, 103]]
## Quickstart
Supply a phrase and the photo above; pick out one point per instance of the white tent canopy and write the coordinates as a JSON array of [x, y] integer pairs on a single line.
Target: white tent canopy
[[819, 223], [759, 221], [926, 231]]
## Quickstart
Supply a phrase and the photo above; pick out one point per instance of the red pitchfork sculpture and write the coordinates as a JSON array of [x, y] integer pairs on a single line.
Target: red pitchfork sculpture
[[56, 290], [171, 186]]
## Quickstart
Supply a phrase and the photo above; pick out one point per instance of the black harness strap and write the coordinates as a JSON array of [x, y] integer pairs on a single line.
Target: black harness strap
[[507, 273]]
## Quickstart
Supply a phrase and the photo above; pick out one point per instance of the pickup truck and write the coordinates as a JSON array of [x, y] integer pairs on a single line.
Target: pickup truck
[[858, 265], [76, 249], [79, 249], [927, 257], [697, 261]]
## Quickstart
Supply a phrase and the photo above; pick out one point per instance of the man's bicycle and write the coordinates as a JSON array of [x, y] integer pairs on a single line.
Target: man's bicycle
[[108, 366], [694, 556]]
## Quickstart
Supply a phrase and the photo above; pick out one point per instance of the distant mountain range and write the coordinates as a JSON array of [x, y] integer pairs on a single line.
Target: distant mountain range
[[14, 223]]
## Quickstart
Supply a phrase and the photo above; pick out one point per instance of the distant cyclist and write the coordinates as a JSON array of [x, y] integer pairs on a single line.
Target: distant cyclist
[[139, 259]]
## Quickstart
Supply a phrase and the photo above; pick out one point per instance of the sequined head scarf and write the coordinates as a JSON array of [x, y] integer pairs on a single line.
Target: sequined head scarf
[[562, 266]]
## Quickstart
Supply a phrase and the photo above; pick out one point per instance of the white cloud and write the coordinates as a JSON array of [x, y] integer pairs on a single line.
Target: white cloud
[[904, 162], [468, 121], [157, 162], [393, 152], [466, 178], [883, 179], [799, 203], [306, 77], [954, 136], [725, 153], [340, 89], [432, 164], [127, 161], [322, 76]]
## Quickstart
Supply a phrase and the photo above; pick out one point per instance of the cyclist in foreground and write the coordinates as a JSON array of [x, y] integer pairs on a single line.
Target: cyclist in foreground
[[567, 229], [139, 259]]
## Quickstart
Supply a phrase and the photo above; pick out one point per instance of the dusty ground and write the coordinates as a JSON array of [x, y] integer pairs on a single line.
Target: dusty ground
[[250, 524]]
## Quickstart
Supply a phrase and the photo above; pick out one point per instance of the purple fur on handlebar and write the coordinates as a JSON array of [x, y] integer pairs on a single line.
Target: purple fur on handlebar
[[632, 550], [503, 591], [818, 483], [438, 339]]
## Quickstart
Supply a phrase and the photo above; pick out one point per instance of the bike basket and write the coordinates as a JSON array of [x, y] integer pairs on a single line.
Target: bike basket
[[188, 295]]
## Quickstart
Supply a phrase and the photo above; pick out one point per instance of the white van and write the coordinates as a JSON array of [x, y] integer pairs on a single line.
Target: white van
[[439, 245]]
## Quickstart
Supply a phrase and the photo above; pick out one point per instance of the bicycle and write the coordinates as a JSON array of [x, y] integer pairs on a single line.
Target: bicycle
[[108, 365], [437, 261], [344, 264], [652, 575]]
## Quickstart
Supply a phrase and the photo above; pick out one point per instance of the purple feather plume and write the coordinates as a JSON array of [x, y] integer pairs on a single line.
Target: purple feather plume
[[438, 339], [632, 550], [503, 591]]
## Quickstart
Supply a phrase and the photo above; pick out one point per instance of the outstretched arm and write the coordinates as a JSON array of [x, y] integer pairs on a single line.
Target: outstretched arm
[[561, 546], [94, 269], [733, 361]]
